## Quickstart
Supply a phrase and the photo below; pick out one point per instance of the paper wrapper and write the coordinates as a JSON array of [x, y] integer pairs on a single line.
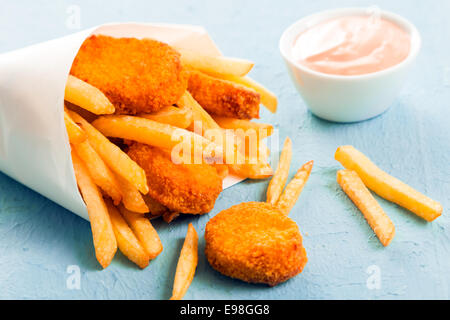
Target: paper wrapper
[[34, 147]]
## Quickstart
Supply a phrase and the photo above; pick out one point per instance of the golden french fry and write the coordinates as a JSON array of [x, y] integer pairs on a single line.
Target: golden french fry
[[177, 117], [187, 101], [268, 98], [100, 173], [210, 127], [117, 160], [187, 263], [152, 133], [294, 188], [387, 186], [144, 231], [262, 130], [215, 64], [87, 96], [279, 179], [131, 197], [75, 133], [102, 231], [128, 244], [378, 220]]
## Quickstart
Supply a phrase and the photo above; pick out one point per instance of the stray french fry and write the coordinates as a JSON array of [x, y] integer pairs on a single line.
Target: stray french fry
[[281, 174], [152, 133], [87, 96], [128, 244], [144, 231], [268, 98], [187, 263], [116, 159], [75, 133], [387, 186], [131, 197], [215, 64], [100, 173], [294, 188], [378, 220], [177, 117], [102, 231], [262, 130]]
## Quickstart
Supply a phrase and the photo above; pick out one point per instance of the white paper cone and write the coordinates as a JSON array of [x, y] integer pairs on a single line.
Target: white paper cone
[[34, 147]]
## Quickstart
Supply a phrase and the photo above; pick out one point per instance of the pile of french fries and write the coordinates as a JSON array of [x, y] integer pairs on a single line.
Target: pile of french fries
[[362, 174], [114, 187]]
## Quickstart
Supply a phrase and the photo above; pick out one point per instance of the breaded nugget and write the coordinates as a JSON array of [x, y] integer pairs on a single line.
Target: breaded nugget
[[184, 188], [255, 242], [222, 97], [137, 76]]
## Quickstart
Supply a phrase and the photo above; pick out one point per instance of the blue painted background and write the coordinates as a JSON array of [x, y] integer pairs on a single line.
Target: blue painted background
[[39, 239]]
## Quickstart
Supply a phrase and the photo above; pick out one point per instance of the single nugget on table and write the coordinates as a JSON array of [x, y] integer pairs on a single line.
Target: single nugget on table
[[255, 242], [137, 76], [222, 97], [184, 188]]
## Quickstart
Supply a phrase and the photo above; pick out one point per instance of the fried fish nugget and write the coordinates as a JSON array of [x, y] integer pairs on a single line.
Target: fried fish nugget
[[255, 242], [137, 76], [185, 188], [223, 98]]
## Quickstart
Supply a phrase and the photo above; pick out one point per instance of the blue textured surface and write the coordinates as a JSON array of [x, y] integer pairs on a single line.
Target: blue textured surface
[[39, 239]]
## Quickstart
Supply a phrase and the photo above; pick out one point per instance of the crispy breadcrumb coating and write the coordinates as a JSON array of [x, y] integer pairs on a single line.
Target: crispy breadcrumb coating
[[137, 76], [224, 98], [255, 242], [184, 188]]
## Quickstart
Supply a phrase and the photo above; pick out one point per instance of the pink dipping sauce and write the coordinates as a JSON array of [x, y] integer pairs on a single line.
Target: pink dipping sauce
[[352, 45]]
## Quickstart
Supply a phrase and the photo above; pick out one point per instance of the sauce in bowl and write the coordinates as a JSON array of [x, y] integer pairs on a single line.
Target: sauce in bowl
[[352, 45]]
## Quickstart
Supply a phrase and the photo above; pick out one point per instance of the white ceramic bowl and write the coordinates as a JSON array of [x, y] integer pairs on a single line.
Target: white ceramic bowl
[[347, 98]]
